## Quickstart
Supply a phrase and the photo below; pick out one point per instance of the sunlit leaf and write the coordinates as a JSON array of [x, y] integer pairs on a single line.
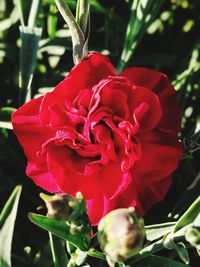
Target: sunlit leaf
[[28, 56], [156, 231], [60, 229], [58, 251], [6, 125], [7, 223], [143, 12], [189, 216]]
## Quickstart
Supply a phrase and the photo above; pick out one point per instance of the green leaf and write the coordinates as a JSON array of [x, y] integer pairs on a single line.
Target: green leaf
[[5, 24], [157, 261], [52, 22], [6, 112], [180, 247], [147, 251], [95, 5], [156, 231], [7, 223], [196, 222], [58, 251], [143, 12], [60, 229], [6, 125], [182, 252], [20, 9], [169, 241], [82, 15], [33, 13], [189, 195], [189, 216], [28, 55]]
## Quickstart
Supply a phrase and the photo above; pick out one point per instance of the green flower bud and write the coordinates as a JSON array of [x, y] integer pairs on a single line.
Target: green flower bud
[[57, 206], [73, 210], [121, 234]]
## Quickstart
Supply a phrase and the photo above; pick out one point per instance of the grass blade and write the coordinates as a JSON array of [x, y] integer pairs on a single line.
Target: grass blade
[[7, 223], [28, 55], [58, 251], [60, 229], [189, 216]]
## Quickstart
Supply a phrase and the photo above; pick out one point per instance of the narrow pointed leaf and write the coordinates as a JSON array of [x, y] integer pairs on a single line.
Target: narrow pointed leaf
[[6, 125], [7, 223], [156, 231], [60, 229], [189, 216], [20, 8], [143, 12], [33, 13], [82, 15], [58, 251], [28, 55], [190, 194]]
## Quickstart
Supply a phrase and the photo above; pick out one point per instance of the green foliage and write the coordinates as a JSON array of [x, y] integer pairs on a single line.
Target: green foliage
[[156, 231], [60, 229], [7, 223], [189, 216], [58, 252], [164, 36], [157, 261], [143, 12], [30, 38]]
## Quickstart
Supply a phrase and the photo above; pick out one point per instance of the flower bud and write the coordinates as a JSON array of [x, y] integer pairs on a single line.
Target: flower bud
[[57, 206], [121, 234], [73, 210]]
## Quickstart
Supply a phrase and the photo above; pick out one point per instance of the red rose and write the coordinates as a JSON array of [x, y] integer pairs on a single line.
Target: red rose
[[111, 137]]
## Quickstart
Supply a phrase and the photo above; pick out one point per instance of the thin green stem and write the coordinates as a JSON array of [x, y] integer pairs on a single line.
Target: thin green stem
[[77, 35], [21, 17], [33, 13], [82, 15]]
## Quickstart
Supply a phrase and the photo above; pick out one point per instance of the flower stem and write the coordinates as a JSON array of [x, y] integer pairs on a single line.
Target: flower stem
[[78, 39]]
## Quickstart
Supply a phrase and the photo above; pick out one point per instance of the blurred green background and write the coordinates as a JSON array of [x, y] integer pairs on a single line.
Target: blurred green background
[[171, 44]]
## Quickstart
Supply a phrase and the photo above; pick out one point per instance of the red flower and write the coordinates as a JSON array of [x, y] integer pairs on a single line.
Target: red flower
[[111, 137]]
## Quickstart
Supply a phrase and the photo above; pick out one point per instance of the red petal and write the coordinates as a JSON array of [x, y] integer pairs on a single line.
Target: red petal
[[113, 180], [158, 157], [146, 108], [113, 93], [31, 134], [160, 85], [98, 207], [69, 181], [27, 127], [150, 193], [42, 177], [84, 75]]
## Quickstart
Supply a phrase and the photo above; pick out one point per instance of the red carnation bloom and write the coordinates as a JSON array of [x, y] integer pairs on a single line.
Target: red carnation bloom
[[111, 137]]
